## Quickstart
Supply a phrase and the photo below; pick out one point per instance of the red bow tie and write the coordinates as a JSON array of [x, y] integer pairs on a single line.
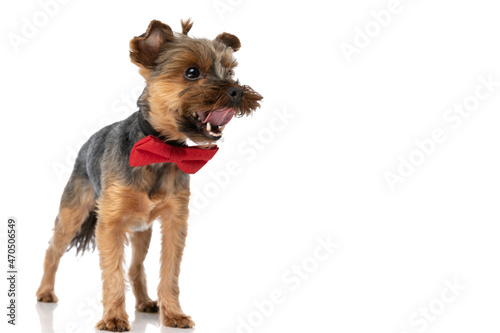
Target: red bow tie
[[152, 150]]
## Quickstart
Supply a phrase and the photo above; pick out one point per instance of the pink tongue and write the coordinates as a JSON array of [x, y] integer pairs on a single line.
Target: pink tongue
[[218, 117]]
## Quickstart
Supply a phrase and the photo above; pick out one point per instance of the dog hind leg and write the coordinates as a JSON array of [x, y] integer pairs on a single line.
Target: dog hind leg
[[77, 203], [140, 243]]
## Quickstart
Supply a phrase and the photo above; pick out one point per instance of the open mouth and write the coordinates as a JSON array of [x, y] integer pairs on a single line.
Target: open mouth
[[211, 124]]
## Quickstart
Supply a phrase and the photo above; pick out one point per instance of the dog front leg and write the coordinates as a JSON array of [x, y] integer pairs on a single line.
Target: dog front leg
[[110, 238], [174, 231]]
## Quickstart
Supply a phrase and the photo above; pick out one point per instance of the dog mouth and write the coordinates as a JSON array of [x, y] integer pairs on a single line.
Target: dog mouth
[[212, 123]]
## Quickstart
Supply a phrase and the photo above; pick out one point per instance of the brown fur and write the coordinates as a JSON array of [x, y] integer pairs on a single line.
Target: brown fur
[[230, 40], [122, 210], [77, 203], [140, 243], [186, 26], [168, 97]]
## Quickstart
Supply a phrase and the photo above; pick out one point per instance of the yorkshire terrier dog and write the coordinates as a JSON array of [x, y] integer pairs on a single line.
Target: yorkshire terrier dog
[[135, 171]]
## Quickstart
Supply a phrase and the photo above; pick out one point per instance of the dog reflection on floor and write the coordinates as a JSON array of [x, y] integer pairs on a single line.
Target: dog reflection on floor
[[142, 320]]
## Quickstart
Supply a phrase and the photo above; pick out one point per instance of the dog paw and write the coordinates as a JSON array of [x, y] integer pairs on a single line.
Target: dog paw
[[113, 325], [177, 320], [47, 297], [148, 306]]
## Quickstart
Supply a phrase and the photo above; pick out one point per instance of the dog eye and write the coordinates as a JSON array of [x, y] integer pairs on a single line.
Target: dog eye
[[192, 73]]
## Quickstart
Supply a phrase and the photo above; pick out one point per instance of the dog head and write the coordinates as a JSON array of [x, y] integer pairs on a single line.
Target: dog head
[[190, 90]]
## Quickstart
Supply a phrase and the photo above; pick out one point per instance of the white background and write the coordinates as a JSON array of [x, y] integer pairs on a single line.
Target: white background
[[320, 175]]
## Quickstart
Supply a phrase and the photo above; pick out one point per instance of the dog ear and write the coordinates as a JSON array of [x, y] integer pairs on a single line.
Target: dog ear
[[229, 40], [145, 49]]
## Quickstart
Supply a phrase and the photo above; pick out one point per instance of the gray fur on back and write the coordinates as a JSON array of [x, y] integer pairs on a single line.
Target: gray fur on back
[[110, 148]]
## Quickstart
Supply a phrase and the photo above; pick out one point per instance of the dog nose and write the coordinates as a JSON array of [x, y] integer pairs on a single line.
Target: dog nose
[[235, 94]]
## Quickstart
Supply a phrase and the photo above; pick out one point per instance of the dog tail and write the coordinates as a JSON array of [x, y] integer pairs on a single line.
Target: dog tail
[[84, 239]]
